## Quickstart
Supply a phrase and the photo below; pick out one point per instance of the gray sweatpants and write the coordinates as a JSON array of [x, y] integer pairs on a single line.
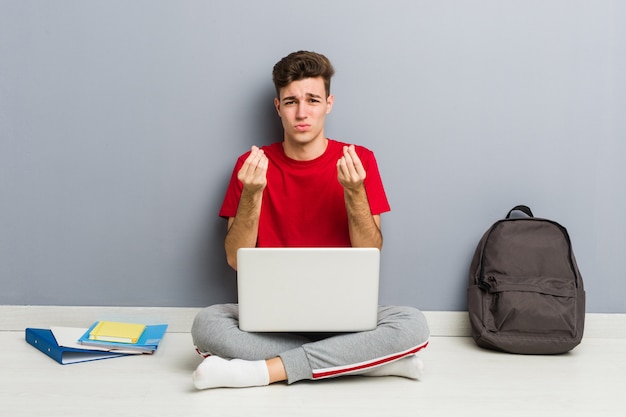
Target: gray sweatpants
[[401, 331]]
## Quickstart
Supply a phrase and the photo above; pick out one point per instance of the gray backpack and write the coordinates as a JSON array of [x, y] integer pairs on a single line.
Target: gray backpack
[[525, 291]]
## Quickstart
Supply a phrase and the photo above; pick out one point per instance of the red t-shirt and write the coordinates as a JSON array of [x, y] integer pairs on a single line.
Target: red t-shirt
[[303, 202]]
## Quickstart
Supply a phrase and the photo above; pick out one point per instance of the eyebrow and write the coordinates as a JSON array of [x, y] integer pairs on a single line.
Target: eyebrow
[[307, 94]]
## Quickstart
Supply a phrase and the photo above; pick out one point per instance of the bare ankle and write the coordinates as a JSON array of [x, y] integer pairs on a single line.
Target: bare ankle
[[276, 370]]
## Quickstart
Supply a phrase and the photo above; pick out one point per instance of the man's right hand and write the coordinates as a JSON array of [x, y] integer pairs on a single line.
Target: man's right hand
[[253, 172], [243, 228]]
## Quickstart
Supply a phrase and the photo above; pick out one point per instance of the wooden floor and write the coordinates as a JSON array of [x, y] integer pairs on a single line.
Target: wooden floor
[[460, 379]]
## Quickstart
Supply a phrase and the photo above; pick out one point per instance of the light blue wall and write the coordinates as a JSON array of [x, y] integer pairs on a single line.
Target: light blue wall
[[120, 122]]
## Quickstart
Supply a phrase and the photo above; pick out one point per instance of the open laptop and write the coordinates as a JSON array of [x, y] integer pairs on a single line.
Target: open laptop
[[308, 289]]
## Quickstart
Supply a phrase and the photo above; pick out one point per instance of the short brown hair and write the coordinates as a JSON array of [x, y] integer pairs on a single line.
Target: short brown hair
[[300, 65]]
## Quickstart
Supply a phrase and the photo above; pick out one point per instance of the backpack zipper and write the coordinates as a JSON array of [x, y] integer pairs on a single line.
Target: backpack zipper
[[485, 284]]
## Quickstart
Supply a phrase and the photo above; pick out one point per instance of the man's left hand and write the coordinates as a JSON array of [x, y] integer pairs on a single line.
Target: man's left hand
[[350, 171]]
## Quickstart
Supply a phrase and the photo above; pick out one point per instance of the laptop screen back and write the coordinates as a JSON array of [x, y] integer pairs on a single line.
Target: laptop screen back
[[308, 289]]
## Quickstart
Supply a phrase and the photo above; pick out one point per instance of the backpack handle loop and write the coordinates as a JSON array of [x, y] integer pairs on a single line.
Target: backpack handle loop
[[524, 209]]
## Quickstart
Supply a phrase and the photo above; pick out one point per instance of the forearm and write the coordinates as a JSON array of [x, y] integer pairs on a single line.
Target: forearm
[[243, 228], [363, 226]]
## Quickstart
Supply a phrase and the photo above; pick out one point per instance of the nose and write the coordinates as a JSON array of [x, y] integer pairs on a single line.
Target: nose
[[301, 111]]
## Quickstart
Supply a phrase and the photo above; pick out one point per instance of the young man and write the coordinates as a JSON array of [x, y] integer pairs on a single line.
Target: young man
[[307, 190]]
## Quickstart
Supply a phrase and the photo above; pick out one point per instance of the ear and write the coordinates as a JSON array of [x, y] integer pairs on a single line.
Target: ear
[[277, 105], [329, 103]]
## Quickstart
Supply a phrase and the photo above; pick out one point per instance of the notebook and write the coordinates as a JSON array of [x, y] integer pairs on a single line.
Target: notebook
[[308, 289], [113, 331]]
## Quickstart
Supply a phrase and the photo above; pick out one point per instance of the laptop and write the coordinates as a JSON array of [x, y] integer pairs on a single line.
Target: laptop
[[308, 289]]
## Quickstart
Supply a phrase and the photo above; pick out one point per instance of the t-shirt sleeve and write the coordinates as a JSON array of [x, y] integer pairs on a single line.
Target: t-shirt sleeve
[[233, 192], [374, 185]]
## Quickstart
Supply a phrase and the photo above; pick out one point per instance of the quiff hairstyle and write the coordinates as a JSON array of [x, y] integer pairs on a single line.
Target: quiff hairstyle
[[300, 65]]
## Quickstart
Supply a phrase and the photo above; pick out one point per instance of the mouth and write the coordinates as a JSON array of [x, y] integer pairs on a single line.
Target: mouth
[[302, 127]]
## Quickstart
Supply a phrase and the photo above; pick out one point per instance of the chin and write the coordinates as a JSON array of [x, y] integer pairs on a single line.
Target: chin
[[300, 138]]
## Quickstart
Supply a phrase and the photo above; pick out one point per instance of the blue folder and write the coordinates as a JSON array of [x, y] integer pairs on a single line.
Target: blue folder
[[43, 339]]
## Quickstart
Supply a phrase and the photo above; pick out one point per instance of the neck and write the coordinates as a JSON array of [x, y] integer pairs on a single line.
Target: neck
[[305, 151]]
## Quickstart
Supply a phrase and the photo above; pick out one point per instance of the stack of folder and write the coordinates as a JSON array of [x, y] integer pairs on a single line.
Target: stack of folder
[[103, 340]]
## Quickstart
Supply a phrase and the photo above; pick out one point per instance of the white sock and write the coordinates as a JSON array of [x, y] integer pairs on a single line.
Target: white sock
[[409, 367], [216, 372]]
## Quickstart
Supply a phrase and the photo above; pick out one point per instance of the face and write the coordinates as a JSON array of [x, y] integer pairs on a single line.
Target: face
[[302, 107]]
